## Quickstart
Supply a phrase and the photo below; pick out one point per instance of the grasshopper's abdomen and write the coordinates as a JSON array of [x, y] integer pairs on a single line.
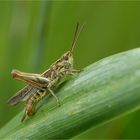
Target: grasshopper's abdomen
[[32, 101]]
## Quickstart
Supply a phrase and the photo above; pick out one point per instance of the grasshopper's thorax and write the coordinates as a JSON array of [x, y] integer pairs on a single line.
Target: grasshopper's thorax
[[60, 69]]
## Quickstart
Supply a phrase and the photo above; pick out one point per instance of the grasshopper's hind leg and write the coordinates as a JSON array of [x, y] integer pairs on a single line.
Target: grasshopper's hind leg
[[24, 116], [29, 108], [31, 103], [35, 80]]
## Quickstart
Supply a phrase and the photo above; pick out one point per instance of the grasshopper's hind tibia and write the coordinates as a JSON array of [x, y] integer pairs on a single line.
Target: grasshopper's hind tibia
[[30, 107], [32, 101]]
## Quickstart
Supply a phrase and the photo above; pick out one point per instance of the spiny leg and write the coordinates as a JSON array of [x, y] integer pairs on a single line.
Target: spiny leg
[[24, 116], [28, 112], [32, 101], [57, 99], [29, 108]]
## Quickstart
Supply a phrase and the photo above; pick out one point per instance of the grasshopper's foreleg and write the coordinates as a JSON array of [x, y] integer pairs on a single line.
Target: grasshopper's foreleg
[[35, 80], [57, 99], [74, 71]]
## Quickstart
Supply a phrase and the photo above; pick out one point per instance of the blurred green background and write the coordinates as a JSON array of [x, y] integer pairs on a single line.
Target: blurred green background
[[34, 34]]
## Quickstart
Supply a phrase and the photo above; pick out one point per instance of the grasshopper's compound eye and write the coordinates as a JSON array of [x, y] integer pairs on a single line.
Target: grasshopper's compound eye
[[65, 57]]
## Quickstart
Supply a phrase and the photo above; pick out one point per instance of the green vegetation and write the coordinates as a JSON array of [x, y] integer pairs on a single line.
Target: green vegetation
[[35, 34], [102, 92]]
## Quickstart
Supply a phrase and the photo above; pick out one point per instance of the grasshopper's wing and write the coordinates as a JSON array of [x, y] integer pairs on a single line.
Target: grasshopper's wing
[[21, 95]]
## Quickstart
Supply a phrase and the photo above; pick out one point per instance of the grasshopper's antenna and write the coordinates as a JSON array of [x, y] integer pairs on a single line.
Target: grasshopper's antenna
[[76, 35]]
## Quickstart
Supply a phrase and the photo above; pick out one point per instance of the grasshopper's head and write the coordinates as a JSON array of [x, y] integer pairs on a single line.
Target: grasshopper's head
[[67, 59]]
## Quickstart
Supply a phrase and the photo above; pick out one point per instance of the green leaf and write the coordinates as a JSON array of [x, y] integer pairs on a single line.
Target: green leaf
[[101, 92]]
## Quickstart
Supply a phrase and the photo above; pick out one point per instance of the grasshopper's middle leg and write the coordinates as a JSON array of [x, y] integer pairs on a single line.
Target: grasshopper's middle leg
[[57, 99]]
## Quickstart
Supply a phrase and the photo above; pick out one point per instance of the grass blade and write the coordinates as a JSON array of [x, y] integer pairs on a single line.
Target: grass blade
[[101, 92]]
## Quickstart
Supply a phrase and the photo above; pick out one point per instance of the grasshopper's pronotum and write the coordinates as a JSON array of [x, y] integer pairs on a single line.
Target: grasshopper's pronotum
[[40, 85]]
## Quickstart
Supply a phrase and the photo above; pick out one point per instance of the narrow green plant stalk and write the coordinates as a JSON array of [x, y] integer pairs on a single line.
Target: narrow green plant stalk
[[101, 92]]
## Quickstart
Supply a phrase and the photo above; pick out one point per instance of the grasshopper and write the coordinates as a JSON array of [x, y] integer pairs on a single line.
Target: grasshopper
[[40, 85]]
